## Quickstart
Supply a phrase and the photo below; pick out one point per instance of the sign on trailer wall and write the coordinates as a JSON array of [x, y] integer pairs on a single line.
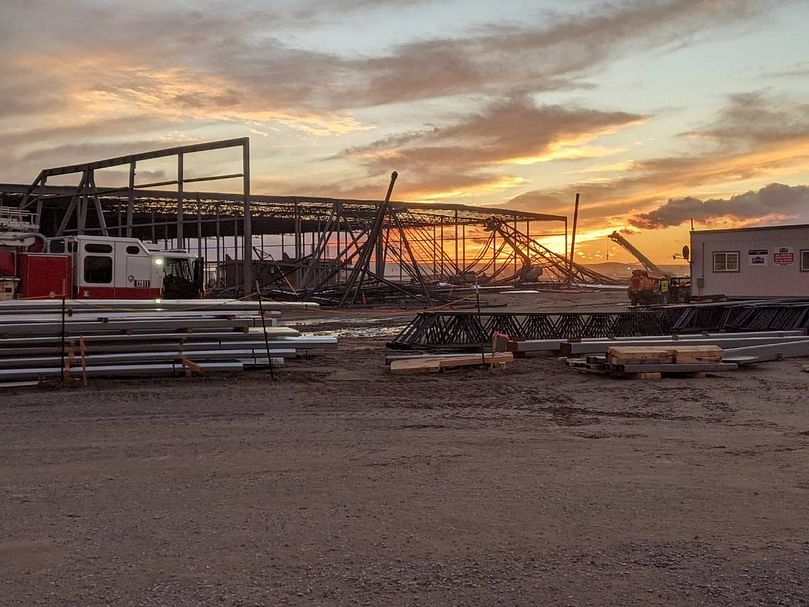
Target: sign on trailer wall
[[783, 256], [758, 257]]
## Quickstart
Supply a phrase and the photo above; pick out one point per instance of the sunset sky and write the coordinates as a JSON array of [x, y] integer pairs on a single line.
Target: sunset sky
[[657, 111]]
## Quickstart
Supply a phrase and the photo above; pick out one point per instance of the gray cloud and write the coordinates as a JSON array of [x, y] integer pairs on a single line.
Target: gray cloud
[[541, 56], [120, 126], [755, 118], [235, 62], [87, 152], [231, 43], [470, 150], [773, 200]]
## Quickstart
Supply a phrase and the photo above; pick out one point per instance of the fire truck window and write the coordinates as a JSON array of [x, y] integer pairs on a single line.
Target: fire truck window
[[94, 247], [57, 246], [132, 249], [179, 268], [98, 269]]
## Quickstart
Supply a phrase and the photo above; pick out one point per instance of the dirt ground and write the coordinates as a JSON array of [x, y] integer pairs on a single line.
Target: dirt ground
[[339, 484]]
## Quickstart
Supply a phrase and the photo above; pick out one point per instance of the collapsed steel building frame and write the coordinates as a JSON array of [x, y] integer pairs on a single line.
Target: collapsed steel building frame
[[237, 233]]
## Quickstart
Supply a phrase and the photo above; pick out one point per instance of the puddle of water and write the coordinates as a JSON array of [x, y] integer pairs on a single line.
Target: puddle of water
[[359, 332], [350, 327]]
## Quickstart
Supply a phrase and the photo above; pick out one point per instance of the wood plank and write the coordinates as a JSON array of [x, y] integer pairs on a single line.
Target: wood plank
[[472, 360], [414, 367], [697, 354], [433, 364], [627, 355]]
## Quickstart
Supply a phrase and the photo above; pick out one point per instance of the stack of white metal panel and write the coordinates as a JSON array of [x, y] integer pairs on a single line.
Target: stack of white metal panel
[[112, 338]]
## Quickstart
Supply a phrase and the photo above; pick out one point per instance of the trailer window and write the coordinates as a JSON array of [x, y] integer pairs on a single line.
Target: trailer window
[[57, 246], [98, 269], [132, 249], [804, 261], [726, 261], [95, 247]]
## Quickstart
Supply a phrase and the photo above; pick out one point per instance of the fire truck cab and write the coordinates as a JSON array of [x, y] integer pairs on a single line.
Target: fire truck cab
[[108, 267], [89, 267]]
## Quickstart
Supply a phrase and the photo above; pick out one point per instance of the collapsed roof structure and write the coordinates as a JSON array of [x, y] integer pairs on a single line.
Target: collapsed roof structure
[[299, 247]]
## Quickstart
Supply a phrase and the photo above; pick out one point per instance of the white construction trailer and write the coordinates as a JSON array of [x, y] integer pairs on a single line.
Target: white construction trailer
[[751, 262]]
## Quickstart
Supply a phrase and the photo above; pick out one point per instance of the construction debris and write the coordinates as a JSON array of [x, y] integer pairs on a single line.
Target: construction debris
[[724, 340], [653, 362], [337, 252], [114, 338]]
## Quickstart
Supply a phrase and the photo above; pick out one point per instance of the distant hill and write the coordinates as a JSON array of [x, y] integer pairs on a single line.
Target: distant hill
[[616, 269]]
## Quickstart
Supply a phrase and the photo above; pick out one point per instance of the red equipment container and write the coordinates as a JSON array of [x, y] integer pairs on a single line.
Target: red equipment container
[[45, 275], [7, 265]]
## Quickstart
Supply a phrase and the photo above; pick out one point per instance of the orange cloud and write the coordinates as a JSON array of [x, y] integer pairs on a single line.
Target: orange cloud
[[96, 86]]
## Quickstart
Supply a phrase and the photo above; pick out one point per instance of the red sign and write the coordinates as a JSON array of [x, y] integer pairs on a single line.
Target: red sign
[[783, 256]]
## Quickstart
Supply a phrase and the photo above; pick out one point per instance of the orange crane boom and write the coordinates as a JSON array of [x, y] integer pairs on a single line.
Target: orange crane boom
[[645, 261]]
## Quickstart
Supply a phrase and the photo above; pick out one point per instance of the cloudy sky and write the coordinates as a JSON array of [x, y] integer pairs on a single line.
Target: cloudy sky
[[657, 111]]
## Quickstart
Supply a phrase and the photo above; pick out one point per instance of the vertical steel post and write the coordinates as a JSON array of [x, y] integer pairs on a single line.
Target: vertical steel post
[[337, 206], [218, 256], [494, 252], [298, 247], [463, 247], [40, 202], [247, 229], [179, 230], [456, 238], [130, 200], [199, 232], [63, 329], [264, 329], [82, 217], [442, 247]]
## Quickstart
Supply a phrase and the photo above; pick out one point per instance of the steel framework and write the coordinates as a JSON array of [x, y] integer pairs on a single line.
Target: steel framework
[[300, 247], [87, 193]]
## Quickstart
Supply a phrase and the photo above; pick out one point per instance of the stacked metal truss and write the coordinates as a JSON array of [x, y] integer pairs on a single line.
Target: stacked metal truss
[[441, 329], [470, 328]]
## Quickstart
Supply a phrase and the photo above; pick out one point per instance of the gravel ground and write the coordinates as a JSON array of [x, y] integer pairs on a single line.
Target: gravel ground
[[341, 485]]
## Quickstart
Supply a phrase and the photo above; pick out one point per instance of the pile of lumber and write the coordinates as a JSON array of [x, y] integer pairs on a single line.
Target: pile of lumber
[[742, 348], [654, 362], [114, 338], [433, 363]]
